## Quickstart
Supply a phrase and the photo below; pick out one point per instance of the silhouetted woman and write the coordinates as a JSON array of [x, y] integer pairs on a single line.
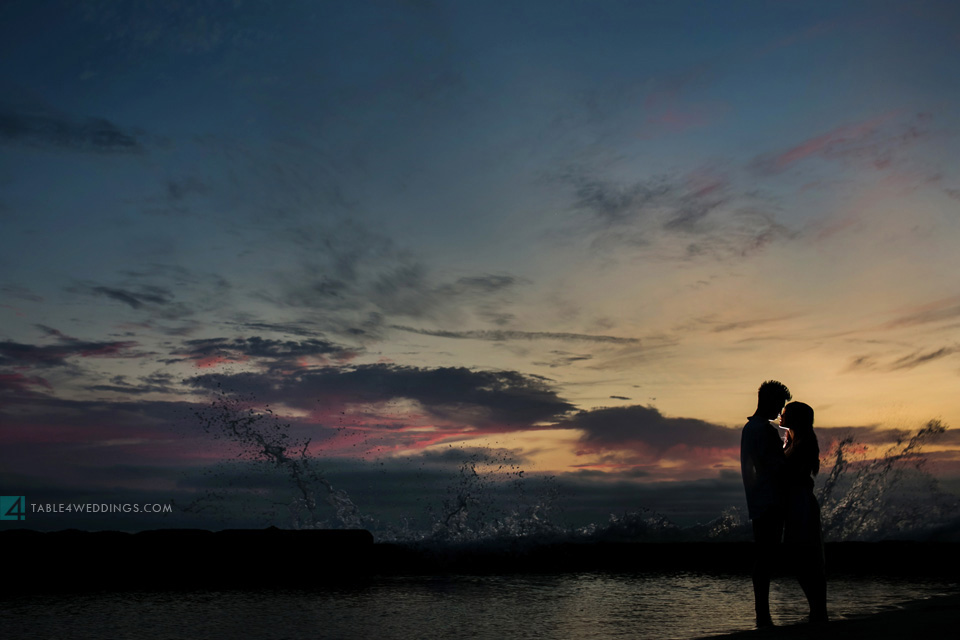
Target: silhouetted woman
[[802, 532]]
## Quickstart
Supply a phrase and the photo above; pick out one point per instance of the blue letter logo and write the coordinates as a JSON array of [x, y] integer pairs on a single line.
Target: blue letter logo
[[13, 508]]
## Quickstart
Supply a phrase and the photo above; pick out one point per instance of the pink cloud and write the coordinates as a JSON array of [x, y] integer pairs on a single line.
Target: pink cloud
[[19, 383], [827, 142]]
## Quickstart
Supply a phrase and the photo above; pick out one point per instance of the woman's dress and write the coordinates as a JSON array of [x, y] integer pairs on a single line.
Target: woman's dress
[[802, 523]]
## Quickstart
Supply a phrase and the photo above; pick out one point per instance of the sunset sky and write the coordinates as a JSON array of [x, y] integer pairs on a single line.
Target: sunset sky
[[580, 234]]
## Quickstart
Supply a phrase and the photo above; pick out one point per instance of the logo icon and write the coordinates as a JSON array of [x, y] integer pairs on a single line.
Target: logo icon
[[13, 508]]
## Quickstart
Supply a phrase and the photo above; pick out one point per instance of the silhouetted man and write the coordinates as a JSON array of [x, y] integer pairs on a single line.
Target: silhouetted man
[[762, 464]]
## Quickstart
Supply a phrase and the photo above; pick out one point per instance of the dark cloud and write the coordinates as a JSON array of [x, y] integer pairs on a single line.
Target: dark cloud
[[669, 203], [626, 427], [48, 130], [613, 204], [563, 359], [147, 295], [479, 398], [873, 362], [357, 275], [405, 289], [21, 293], [21, 385], [918, 358], [280, 352], [154, 383], [701, 211], [53, 419], [862, 363], [498, 335], [56, 355], [301, 329], [166, 292], [718, 326]]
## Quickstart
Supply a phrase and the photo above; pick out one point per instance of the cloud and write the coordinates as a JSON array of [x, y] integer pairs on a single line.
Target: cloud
[[692, 215], [404, 289], [613, 205], [873, 362], [300, 328], [676, 204], [56, 355], [360, 279], [50, 419], [862, 363], [937, 311], [875, 141], [490, 400], [20, 384], [147, 295], [165, 292], [280, 353], [918, 358], [47, 130], [645, 428], [155, 383], [498, 335], [719, 326], [562, 359], [21, 293]]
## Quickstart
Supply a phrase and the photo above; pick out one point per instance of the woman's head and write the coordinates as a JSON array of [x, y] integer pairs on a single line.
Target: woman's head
[[798, 416]]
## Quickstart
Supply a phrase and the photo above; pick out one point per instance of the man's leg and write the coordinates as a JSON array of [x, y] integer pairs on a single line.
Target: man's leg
[[767, 536]]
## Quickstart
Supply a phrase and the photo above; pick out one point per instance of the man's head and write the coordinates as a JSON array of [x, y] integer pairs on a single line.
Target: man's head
[[771, 396]]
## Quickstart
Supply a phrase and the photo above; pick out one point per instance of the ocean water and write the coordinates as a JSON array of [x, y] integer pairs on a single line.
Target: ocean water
[[595, 606]]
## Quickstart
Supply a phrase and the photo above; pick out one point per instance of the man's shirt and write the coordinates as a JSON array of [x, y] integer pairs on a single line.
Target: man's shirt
[[762, 463]]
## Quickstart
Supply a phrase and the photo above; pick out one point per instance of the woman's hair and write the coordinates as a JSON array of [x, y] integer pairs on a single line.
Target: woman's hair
[[800, 419]]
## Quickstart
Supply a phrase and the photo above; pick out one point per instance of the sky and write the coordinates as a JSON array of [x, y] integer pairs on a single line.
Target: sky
[[574, 235]]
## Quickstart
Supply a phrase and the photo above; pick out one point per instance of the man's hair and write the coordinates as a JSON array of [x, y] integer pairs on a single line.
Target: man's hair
[[772, 392]]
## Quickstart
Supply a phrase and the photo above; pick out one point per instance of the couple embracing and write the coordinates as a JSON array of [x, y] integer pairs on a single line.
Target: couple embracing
[[779, 456]]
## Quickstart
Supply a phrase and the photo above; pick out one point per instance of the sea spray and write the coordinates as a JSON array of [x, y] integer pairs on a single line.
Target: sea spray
[[888, 496], [265, 439], [491, 498]]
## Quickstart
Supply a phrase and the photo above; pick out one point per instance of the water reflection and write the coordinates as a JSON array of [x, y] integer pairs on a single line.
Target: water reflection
[[589, 606]]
